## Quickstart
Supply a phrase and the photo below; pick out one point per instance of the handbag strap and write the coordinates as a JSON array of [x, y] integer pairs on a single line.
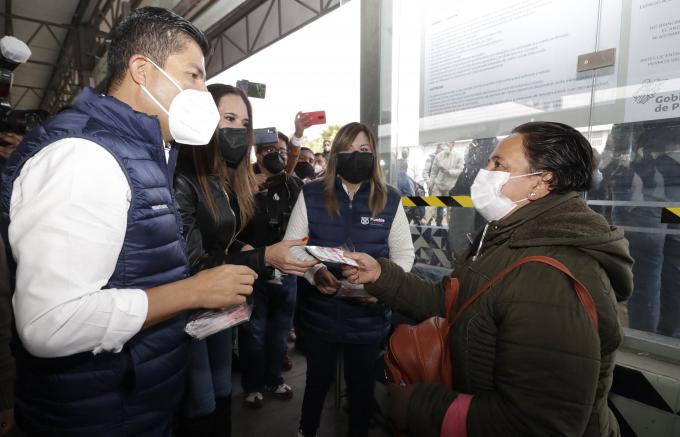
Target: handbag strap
[[581, 291]]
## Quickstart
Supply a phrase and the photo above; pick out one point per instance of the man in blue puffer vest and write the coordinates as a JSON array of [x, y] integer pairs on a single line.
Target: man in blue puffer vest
[[95, 246]]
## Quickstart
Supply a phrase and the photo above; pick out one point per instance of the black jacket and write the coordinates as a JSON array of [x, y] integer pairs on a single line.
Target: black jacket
[[274, 204], [211, 241], [6, 360], [526, 349]]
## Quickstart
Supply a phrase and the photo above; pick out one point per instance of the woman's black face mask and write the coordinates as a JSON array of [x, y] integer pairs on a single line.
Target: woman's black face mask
[[273, 162], [355, 167], [304, 170], [233, 145]]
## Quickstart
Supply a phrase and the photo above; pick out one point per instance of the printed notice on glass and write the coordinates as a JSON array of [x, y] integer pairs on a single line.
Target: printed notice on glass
[[506, 59], [653, 90]]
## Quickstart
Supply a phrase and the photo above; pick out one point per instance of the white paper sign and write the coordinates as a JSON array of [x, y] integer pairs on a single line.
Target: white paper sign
[[653, 61], [507, 59]]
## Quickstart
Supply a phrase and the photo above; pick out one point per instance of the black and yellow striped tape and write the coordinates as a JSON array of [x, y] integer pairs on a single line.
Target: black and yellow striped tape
[[437, 201], [670, 215]]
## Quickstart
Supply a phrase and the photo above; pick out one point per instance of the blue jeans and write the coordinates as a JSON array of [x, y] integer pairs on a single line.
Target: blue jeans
[[262, 341], [209, 375]]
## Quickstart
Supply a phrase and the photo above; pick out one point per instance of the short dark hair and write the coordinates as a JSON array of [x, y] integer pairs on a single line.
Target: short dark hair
[[153, 32], [319, 154], [307, 149], [561, 150]]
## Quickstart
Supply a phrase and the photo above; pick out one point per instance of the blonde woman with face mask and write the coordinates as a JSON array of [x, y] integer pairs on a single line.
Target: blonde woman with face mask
[[352, 207]]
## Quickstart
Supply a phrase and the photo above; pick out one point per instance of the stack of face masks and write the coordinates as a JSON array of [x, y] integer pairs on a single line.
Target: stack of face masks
[[205, 323]]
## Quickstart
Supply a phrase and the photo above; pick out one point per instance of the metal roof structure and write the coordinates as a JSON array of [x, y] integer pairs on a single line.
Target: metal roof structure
[[68, 38]]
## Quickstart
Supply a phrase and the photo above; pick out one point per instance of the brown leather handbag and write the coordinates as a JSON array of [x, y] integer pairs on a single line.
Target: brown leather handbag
[[420, 353]]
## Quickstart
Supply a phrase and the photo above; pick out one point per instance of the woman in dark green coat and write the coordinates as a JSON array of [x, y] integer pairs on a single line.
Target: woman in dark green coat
[[527, 360]]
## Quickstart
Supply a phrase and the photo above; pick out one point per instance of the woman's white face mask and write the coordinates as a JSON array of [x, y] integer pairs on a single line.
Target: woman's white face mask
[[487, 197], [193, 115]]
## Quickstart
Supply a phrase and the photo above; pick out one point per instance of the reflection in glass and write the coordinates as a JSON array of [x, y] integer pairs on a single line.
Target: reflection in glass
[[641, 173]]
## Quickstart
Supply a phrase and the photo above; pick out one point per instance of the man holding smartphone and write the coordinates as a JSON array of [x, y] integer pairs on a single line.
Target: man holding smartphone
[[302, 122]]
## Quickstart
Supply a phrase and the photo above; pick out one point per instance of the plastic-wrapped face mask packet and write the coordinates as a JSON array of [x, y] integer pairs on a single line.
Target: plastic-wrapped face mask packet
[[208, 322], [330, 255], [352, 291]]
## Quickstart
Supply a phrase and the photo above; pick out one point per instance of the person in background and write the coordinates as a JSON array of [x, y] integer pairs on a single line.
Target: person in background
[[411, 170], [262, 341], [527, 360], [7, 371], [466, 220], [326, 149], [88, 214], [652, 175], [319, 165], [8, 144], [428, 180], [408, 187], [353, 207], [446, 168], [214, 192], [295, 143], [305, 166], [429, 163]]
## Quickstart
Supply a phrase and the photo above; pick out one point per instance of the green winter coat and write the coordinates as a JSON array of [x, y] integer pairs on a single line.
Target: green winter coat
[[526, 349]]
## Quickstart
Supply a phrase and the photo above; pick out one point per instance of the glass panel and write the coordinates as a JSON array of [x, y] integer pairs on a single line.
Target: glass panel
[[639, 169], [456, 78]]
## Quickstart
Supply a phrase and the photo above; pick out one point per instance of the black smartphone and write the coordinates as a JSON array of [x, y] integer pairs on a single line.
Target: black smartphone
[[252, 89], [267, 135]]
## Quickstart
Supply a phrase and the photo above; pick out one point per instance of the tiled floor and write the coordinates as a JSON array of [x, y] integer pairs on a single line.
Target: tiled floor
[[280, 418]]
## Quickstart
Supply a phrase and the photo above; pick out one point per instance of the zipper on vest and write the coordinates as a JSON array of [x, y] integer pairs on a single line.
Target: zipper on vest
[[348, 228]]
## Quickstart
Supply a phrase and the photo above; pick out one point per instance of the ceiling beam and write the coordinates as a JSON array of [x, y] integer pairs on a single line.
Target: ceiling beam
[[47, 64], [191, 9], [80, 10], [10, 16], [232, 18], [217, 34], [9, 27], [34, 88]]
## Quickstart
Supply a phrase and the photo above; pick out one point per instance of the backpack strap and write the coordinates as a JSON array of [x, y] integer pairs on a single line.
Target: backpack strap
[[583, 295]]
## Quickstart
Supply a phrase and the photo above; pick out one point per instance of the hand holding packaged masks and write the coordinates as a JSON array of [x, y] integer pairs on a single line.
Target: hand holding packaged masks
[[205, 323], [326, 281], [333, 255]]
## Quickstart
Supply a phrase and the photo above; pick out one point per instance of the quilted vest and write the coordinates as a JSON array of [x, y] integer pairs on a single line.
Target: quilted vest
[[136, 391], [329, 317]]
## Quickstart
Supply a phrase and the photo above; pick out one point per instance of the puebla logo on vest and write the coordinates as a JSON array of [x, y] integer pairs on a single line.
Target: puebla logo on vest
[[372, 221]]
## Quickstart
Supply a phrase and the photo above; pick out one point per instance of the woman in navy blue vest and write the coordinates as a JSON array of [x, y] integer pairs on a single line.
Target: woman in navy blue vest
[[350, 207], [214, 192]]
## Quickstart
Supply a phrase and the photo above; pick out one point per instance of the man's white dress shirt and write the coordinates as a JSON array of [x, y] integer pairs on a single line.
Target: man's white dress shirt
[[68, 217]]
